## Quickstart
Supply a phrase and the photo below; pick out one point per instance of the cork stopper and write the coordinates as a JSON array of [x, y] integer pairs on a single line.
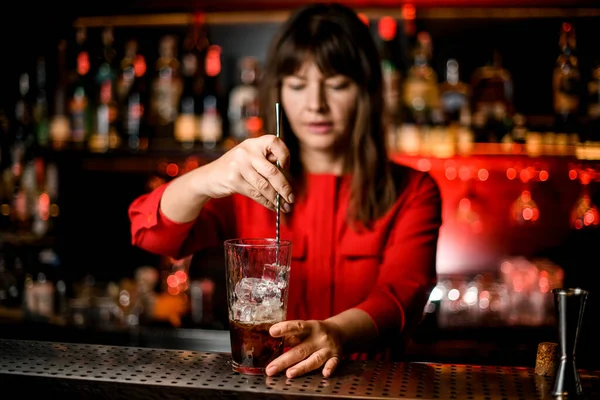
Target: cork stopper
[[545, 362]]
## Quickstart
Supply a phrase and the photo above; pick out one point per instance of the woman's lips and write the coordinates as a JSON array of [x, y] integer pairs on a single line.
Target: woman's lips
[[320, 127]]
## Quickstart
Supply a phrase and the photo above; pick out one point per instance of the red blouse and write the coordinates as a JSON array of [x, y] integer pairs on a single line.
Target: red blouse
[[387, 271]]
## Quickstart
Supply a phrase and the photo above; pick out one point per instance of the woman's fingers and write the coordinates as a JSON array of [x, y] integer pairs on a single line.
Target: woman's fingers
[[330, 366], [275, 177], [259, 186], [289, 358], [274, 146], [314, 361]]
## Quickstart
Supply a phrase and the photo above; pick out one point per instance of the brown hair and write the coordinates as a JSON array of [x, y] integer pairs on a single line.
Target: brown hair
[[339, 43]]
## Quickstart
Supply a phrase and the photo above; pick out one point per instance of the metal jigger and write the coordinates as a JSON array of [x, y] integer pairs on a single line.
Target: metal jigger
[[570, 305]]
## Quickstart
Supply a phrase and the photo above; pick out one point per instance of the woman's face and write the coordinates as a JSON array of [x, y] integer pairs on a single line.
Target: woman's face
[[320, 109]]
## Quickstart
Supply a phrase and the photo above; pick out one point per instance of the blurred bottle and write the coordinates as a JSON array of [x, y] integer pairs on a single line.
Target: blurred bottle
[[454, 93], [492, 89], [132, 97], [80, 103], [166, 89], [421, 92], [190, 107], [244, 99], [593, 103], [40, 111], [566, 84], [105, 135], [391, 67], [60, 125], [211, 126]]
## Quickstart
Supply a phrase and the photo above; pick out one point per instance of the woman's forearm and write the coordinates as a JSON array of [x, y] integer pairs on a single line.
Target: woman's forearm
[[185, 196], [357, 329]]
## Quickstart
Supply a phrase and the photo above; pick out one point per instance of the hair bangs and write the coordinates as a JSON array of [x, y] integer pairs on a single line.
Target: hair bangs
[[327, 45]]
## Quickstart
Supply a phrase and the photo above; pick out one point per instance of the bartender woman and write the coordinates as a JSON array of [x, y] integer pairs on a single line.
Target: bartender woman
[[364, 229]]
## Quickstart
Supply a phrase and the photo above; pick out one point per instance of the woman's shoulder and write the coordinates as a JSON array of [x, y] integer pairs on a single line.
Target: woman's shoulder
[[410, 179]]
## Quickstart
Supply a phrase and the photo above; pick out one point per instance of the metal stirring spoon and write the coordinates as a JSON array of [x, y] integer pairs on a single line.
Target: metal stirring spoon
[[277, 198]]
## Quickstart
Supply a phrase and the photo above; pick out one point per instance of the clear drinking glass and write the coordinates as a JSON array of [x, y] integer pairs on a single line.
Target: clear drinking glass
[[257, 294]]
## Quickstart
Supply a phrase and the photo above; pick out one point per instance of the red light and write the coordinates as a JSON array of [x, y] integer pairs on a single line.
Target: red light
[[409, 12], [199, 18], [544, 175], [363, 18], [451, 173], [566, 27], [139, 65], [424, 165], [387, 28], [191, 164], [172, 169], [254, 124], [172, 281], [572, 174], [483, 174], [213, 60], [585, 178], [181, 276], [511, 173], [83, 63], [44, 206]]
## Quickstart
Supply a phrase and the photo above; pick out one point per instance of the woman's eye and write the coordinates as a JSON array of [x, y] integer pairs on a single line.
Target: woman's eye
[[295, 86], [338, 86]]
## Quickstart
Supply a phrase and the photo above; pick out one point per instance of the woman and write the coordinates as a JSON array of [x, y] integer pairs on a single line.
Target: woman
[[364, 230]]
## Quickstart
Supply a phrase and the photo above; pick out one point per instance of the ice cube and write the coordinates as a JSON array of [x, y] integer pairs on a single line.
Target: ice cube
[[243, 289], [270, 272], [276, 273], [264, 289], [243, 312], [267, 313]]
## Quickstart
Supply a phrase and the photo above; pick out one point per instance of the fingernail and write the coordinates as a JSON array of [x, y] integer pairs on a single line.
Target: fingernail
[[287, 207], [275, 331], [271, 370], [291, 198]]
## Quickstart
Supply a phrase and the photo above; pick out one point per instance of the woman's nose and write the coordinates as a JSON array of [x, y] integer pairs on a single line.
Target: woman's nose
[[316, 98]]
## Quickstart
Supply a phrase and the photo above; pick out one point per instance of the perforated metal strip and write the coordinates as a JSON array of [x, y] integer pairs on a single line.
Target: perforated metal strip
[[212, 371]]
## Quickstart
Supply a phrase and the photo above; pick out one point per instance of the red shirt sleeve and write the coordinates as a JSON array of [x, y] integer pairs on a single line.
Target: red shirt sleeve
[[152, 231], [408, 270]]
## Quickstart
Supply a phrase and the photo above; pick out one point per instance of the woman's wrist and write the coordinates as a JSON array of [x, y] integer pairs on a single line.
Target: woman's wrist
[[354, 328]]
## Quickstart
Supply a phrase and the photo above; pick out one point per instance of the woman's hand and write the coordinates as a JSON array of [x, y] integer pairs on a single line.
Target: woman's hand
[[316, 344], [249, 169]]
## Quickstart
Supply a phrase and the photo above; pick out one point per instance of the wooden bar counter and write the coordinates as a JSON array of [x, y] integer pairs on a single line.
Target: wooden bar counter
[[83, 371]]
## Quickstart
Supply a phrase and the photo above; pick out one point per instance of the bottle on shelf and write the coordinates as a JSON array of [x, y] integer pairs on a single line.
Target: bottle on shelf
[[188, 119], [60, 124], [105, 135], [40, 111], [211, 126], [566, 85], [166, 90], [454, 93], [132, 97], [244, 100], [421, 91], [391, 68], [593, 104], [80, 102], [492, 89]]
